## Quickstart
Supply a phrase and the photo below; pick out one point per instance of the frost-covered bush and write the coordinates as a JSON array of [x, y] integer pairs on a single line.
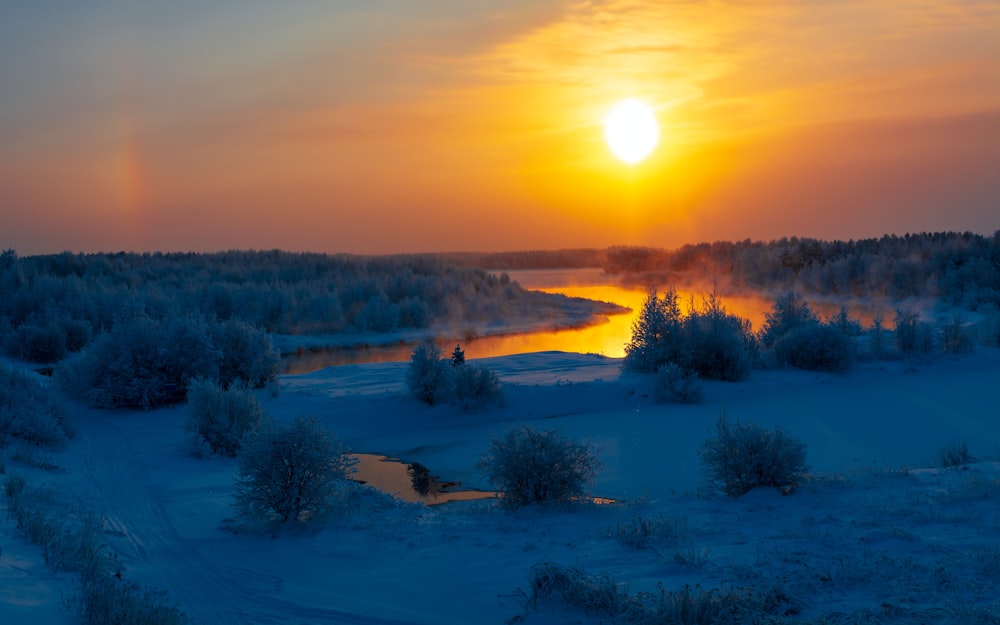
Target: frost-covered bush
[[607, 598], [815, 347], [912, 336], [709, 341], [955, 454], [222, 418], [677, 384], [142, 362], [741, 457], [106, 599], [429, 377], [147, 362], [70, 541], [30, 412], [789, 312], [475, 385], [37, 343], [291, 472], [955, 338], [246, 353], [530, 466], [718, 345], [658, 531]]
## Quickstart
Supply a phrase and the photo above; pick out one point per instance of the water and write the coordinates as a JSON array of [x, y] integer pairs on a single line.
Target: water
[[607, 337], [410, 481]]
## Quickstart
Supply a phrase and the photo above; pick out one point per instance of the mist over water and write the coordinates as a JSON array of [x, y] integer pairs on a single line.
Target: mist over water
[[607, 337]]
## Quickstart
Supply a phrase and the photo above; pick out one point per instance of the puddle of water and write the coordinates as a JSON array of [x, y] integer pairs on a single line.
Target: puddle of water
[[413, 482], [410, 481]]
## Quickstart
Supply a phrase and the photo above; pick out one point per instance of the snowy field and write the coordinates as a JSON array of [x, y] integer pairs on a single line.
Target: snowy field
[[879, 534]]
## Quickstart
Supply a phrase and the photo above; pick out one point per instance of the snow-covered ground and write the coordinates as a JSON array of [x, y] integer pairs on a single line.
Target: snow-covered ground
[[877, 535]]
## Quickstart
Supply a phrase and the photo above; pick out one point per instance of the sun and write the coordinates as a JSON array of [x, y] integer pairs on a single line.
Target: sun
[[631, 130]]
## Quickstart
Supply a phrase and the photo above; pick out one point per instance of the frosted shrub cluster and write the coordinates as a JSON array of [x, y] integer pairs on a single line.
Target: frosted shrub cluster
[[71, 542], [30, 412], [222, 418], [529, 466], [606, 597], [741, 457], [146, 362], [433, 379], [291, 472], [707, 341], [794, 336], [676, 384]]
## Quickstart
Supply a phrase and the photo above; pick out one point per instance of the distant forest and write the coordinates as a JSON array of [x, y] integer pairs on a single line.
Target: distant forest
[[51, 305], [962, 269]]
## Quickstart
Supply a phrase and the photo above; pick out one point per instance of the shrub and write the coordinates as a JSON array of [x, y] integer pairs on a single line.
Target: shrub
[[789, 312], [70, 541], [246, 354], [816, 348], [710, 341], [106, 599], [741, 457], [660, 530], [30, 412], [911, 335], [955, 454], [529, 466], [429, 377], [290, 473], [718, 346], [36, 343], [954, 337], [603, 596], [475, 386], [223, 418], [677, 384], [141, 363]]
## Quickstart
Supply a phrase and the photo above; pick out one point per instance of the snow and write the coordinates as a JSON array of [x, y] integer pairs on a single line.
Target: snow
[[878, 532]]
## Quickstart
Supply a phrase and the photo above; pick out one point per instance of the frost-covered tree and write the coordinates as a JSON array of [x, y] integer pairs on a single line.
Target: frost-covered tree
[[656, 333], [291, 472], [790, 311], [530, 466], [429, 377], [741, 457], [458, 356], [222, 417]]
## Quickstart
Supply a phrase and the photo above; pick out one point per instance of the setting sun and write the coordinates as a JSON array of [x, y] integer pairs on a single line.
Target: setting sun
[[631, 130]]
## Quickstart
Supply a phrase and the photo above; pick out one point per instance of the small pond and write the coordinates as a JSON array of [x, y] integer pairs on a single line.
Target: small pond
[[410, 481]]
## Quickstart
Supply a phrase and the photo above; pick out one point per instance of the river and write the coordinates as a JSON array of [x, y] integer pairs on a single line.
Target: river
[[607, 337]]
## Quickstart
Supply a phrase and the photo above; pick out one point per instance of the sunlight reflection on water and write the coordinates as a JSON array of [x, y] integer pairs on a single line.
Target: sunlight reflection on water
[[410, 481], [606, 338]]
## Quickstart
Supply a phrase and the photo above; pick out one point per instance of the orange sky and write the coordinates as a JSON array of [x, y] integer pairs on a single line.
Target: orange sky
[[399, 126]]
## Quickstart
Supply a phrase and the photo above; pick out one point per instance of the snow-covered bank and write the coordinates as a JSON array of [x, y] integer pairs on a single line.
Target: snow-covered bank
[[877, 536]]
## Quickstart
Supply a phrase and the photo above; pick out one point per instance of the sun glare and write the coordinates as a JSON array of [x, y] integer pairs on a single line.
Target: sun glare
[[631, 130]]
